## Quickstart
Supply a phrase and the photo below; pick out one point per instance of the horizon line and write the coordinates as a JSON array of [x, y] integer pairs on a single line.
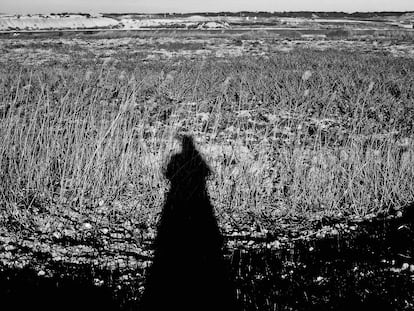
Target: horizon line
[[212, 12]]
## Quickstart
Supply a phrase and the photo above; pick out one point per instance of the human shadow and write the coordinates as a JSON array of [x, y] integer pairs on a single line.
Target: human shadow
[[189, 271]]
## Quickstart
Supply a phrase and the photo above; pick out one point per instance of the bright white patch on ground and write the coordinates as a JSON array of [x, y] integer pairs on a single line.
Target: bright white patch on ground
[[45, 22]]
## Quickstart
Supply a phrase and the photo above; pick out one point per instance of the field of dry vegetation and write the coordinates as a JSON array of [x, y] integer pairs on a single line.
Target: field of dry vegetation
[[302, 134]]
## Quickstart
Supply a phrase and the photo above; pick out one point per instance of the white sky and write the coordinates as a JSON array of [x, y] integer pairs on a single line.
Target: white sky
[[160, 6]]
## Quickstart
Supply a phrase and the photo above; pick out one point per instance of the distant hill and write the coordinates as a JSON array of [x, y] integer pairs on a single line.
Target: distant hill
[[219, 20], [302, 14]]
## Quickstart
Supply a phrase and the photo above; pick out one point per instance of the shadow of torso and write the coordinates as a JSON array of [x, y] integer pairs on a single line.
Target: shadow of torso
[[189, 271]]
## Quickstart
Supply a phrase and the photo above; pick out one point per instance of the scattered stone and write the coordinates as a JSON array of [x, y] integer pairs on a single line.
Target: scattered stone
[[319, 279], [334, 232], [41, 273], [87, 226], [9, 248], [98, 282], [274, 245], [320, 235]]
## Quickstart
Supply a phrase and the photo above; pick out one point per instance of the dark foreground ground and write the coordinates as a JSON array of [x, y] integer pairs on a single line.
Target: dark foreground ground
[[367, 265]]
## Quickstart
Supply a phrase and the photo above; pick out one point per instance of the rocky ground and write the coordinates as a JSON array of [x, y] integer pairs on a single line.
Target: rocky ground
[[322, 266]]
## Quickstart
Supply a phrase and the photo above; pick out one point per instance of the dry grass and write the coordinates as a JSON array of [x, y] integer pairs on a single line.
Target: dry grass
[[337, 140]]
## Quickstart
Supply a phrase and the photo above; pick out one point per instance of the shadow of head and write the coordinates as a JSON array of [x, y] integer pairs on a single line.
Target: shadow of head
[[187, 169]]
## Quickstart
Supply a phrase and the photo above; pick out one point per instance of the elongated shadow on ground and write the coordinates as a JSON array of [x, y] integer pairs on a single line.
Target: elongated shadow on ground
[[188, 271], [70, 290]]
